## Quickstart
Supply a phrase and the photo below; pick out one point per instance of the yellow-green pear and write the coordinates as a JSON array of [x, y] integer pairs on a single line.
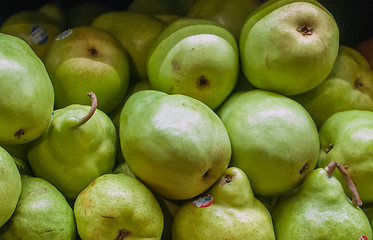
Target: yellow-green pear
[[42, 213], [10, 186], [117, 206], [78, 146], [136, 32], [26, 93], [229, 210], [88, 59]]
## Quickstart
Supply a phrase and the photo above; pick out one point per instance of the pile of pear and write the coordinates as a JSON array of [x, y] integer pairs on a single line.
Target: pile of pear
[[198, 119]]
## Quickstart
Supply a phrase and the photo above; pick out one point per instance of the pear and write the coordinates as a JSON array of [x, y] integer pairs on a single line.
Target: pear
[[26, 93], [42, 213], [10, 186], [274, 139], [78, 146], [195, 57], [85, 59], [321, 210], [230, 14], [37, 27], [348, 86], [136, 38], [117, 206], [288, 46], [228, 211], [175, 144], [347, 137]]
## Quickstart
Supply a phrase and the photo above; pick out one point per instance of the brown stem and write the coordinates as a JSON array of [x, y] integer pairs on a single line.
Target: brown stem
[[355, 195], [91, 111]]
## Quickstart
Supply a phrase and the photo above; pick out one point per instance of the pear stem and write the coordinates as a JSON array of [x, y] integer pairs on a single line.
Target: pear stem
[[355, 195], [91, 111]]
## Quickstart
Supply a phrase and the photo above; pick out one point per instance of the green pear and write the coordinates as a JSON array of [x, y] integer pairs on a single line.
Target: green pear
[[26, 93], [348, 86], [10, 186], [274, 139], [42, 213], [36, 27], [288, 46], [347, 137], [85, 59], [175, 144], [124, 169], [231, 14], [117, 206], [194, 57], [55, 13], [78, 146], [234, 213], [136, 32], [320, 210]]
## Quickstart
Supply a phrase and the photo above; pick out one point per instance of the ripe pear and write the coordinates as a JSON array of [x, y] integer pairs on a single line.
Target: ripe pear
[[117, 206], [85, 59], [26, 93], [194, 57], [230, 14], [348, 86], [234, 213], [78, 146], [347, 137], [10, 186], [288, 46], [274, 139], [175, 144], [42, 213], [320, 210], [136, 32], [37, 27]]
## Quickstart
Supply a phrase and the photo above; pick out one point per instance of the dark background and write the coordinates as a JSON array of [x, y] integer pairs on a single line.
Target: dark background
[[354, 17]]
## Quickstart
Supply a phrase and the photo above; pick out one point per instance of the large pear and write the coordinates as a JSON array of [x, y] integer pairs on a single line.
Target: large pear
[[26, 93], [228, 211], [175, 144], [288, 46], [274, 139]]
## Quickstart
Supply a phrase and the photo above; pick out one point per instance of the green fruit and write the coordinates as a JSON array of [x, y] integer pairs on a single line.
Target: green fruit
[[117, 206], [26, 93], [230, 14], [175, 144], [194, 57], [42, 213], [10, 186], [234, 213], [320, 210], [349, 86], [274, 139], [88, 59], [136, 38], [347, 137], [288, 46], [78, 146]]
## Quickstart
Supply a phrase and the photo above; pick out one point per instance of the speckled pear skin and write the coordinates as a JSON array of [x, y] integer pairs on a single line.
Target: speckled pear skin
[[42, 213], [320, 210], [234, 214], [118, 206], [10, 186]]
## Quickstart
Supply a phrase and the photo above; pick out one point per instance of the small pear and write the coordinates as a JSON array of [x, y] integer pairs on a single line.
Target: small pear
[[117, 206], [228, 211], [78, 146], [321, 210], [10, 186], [42, 213]]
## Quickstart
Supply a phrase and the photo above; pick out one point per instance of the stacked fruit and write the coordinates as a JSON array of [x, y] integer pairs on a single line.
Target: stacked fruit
[[198, 119]]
